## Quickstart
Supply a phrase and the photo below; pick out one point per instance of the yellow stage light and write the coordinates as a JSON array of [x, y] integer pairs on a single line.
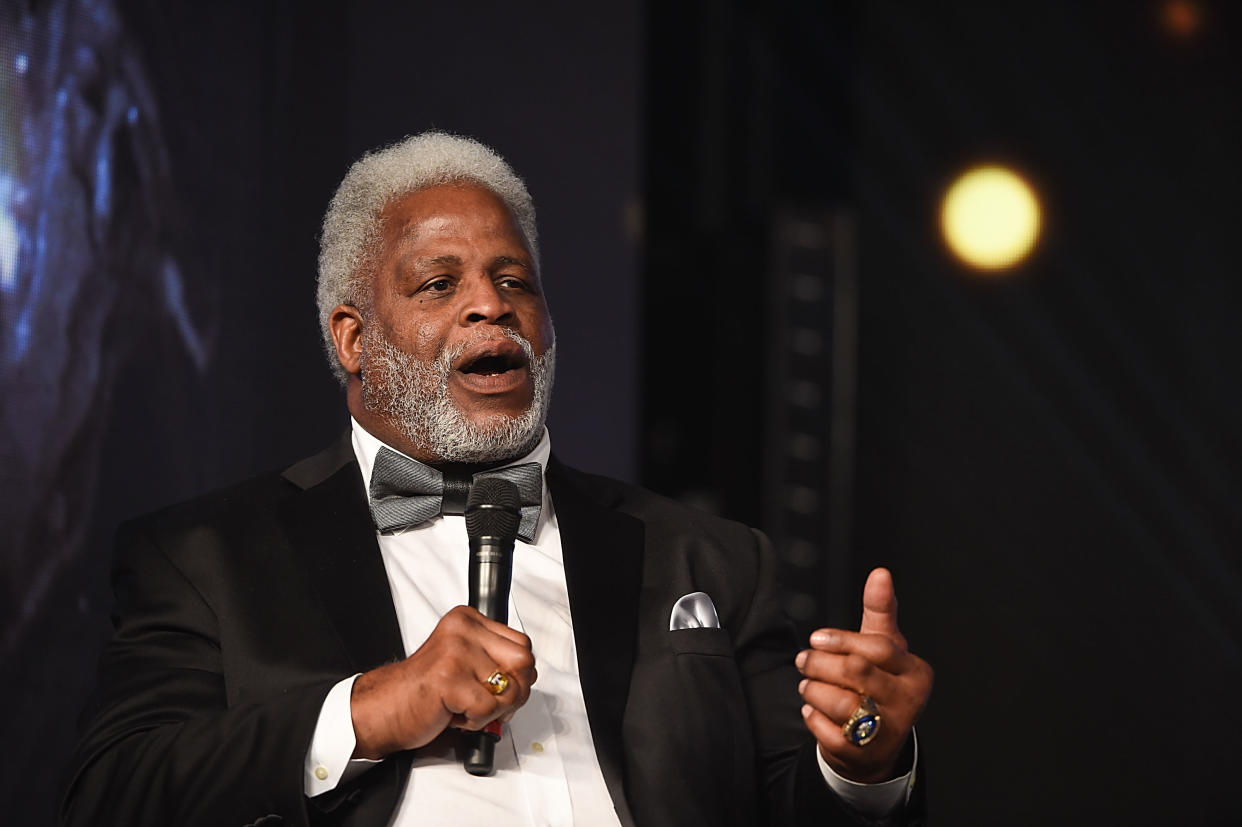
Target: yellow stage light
[[990, 218]]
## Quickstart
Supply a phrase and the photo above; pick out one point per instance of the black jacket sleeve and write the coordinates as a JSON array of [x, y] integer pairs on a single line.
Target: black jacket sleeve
[[161, 744]]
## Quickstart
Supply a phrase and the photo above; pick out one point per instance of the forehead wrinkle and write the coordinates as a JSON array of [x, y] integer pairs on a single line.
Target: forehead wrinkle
[[401, 233], [449, 220]]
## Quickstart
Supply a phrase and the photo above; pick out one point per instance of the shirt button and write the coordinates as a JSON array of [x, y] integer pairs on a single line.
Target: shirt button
[[321, 772], [535, 746]]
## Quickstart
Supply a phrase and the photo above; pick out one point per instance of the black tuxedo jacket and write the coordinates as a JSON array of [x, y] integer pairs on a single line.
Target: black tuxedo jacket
[[236, 613]]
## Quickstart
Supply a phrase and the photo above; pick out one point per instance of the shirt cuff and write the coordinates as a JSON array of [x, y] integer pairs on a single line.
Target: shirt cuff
[[328, 761], [872, 800]]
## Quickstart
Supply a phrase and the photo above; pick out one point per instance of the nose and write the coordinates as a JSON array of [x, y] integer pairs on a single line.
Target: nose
[[484, 303]]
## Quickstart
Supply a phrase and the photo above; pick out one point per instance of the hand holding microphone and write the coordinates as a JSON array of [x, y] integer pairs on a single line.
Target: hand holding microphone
[[445, 683]]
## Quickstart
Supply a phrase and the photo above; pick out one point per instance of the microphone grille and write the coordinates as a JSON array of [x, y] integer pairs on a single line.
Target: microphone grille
[[493, 508]]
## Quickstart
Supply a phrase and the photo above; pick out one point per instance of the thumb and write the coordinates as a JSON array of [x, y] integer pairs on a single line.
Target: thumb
[[880, 606]]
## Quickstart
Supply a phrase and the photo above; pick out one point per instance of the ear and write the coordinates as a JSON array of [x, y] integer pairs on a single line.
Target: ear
[[345, 322]]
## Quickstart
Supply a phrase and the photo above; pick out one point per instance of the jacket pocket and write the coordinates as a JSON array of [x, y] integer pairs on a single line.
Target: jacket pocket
[[702, 641]]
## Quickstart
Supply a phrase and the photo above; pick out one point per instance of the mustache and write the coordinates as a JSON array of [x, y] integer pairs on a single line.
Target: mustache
[[448, 356]]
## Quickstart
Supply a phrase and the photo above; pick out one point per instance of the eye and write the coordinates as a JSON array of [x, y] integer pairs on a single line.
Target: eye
[[511, 283], [438, 285]]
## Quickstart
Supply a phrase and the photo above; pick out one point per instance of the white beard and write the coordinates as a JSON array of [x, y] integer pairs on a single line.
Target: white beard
[[415, 396]]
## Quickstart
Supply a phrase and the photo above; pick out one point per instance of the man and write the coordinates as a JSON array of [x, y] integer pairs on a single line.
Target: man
[[292, 651]]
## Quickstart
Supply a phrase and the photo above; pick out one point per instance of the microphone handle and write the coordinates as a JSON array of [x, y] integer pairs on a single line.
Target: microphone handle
[[490, 575], [491, 572]]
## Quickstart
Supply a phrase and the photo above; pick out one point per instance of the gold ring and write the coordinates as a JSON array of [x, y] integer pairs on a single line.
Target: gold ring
[[864, 724], [498, 682]]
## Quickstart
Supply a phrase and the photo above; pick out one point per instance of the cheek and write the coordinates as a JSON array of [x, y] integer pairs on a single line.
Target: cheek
[[549, 335], [425, 337], [421, 339], [543, 324]]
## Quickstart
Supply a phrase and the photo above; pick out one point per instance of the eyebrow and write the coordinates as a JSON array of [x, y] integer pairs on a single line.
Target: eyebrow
[[437, 261], [517, 262], [412, 270]]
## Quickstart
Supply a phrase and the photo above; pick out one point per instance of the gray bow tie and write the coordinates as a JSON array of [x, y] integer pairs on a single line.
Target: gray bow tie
[[406, 493]]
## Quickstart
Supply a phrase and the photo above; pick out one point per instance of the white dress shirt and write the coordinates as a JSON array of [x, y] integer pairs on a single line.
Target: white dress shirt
[[547, 772]]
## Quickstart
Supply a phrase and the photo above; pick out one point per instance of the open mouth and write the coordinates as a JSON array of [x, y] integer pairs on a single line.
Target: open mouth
[[493, 365]]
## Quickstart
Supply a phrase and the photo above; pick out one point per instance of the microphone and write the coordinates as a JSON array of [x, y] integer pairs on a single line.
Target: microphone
[[493, 514]]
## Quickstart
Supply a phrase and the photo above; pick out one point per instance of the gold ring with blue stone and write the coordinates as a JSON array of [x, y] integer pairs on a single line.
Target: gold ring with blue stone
[[864, 724]]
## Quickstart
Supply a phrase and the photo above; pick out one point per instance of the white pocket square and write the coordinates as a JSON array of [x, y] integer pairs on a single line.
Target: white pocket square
[[693, 611]]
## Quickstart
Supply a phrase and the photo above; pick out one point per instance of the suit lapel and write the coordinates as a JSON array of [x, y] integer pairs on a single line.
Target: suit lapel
[[330, 526], [603, 554]]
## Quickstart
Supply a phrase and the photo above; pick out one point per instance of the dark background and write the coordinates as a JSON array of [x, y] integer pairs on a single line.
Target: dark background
[[1048, 460]]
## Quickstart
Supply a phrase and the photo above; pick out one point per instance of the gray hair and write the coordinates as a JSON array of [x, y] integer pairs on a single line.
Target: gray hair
[[351, 227]]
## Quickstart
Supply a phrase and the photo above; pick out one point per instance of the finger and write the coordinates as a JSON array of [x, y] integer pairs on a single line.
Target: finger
[[472, 705], [851, 672], [515, 661], [525, 687], [517, 688], [880, 606], [836, 702], [828, 733], [507, 632], [881, 650], [495, 626]]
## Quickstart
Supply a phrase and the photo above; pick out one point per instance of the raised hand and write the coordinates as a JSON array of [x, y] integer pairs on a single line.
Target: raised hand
[[842, 667], [405, 705]]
